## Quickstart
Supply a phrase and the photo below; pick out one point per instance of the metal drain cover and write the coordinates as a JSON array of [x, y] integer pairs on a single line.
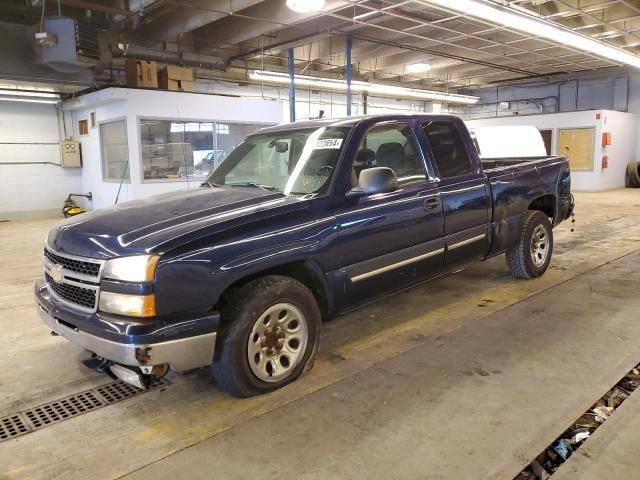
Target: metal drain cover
[[12, 426], [26, 421]]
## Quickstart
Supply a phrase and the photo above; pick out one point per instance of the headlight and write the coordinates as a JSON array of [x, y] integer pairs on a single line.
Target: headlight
[[131, 305], [140, 268]]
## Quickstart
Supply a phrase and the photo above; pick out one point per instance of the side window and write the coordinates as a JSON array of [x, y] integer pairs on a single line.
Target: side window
[[448, 149], [393, 146]]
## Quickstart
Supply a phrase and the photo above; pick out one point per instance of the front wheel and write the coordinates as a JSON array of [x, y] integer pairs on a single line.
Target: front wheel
[[530, 256], [271, 336]]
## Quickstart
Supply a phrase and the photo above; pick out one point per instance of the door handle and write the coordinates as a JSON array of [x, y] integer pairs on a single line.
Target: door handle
[[432, 203]]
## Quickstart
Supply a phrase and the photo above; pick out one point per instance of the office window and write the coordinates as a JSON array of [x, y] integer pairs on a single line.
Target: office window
[[179, 151], [115, 152], [83, 127], [449, 151]]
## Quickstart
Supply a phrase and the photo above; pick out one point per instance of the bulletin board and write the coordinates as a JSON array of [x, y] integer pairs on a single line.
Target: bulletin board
[[577, 145]]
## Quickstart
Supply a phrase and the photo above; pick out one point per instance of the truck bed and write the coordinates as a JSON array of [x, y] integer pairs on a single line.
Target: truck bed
[[499, 164]]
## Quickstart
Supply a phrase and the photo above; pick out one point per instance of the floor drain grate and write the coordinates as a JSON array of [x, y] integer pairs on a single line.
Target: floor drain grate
[[116, 391], [27, 421], [12, 426], [60, 410]]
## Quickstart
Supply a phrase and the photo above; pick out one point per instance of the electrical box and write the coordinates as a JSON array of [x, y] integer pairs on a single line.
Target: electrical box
[[70, 156]]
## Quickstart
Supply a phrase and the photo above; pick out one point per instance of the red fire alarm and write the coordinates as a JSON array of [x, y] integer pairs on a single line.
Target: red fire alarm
[[597, 116], [605, 162], [606, 138]]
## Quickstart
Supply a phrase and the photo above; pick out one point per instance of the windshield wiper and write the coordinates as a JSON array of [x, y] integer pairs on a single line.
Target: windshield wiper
[[254, 185]]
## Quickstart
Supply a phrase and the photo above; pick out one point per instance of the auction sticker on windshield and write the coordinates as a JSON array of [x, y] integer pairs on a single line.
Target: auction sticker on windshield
[[329, 143]]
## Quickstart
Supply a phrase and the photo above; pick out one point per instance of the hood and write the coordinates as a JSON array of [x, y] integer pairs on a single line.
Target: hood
[[158, 223]]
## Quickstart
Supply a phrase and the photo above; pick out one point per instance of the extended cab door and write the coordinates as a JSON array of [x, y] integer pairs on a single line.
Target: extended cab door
[[464, 190], [388, 241]]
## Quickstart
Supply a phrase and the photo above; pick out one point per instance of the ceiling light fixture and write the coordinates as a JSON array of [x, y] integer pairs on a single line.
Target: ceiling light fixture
[[28, 100], [537, 27], [12, 95], [358, 86], [305, 6], [418, 67], [23, 93]]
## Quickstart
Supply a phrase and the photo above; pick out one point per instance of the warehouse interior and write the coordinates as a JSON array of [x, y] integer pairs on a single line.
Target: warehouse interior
[[113, 111]]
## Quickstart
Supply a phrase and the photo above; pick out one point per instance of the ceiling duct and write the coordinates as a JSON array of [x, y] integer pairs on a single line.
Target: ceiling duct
[[163, 56]]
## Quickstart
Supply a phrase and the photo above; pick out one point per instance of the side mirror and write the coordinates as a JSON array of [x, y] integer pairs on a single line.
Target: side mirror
[[374, 180]]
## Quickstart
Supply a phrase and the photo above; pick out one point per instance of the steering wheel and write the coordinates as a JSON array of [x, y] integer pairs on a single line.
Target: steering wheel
[[324, 171]]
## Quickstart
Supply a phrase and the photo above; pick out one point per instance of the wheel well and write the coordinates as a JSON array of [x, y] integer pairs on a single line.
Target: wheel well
[[305, 272], [545, 204]]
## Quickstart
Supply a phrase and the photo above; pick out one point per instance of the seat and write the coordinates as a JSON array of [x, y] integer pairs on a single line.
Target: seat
[[391, 155], [364, 159]]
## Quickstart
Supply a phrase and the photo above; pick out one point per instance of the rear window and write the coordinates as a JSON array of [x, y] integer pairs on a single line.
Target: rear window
[[449, 150]]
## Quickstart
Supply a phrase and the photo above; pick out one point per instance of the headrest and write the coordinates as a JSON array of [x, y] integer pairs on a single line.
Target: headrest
[[389, 153], [366, 155]]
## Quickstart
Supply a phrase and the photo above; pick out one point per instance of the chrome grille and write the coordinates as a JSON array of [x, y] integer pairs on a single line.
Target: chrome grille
[[73, 280], [85, 297], [89, 269]]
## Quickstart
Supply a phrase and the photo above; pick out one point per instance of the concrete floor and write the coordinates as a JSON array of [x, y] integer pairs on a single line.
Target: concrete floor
[[470, 376]]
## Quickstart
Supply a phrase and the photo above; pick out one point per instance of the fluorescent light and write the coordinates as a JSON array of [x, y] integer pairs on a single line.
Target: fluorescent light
[[13, 95], [358, 86], [537, 27], [305, 6], [22, 93], [418, 67], [28, 100]]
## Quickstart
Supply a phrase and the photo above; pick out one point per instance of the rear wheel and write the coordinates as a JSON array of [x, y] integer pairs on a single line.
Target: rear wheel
[[530, 257], [271, 336]]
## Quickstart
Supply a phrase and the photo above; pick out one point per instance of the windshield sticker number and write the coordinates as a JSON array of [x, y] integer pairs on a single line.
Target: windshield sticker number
[[333, 143]]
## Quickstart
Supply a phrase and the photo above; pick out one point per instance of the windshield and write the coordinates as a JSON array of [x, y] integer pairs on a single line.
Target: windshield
[[295, 162]]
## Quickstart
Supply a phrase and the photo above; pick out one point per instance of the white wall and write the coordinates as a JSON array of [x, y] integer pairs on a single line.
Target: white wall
[[29, 132], [623, 127], [134, 104]]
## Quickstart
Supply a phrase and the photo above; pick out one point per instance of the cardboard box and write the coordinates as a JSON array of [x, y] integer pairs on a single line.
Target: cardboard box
[[141, 73], [176, 78]]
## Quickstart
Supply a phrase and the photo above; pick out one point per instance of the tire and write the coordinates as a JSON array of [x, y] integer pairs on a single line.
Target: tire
[[530, 257], [255, 311], [632, 177]]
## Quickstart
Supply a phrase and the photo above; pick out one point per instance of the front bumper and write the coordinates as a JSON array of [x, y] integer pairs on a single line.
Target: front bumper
[[183, 345]]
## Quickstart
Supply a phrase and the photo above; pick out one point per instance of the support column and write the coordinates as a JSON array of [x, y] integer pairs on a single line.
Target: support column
[[348, 75], [292, 88]]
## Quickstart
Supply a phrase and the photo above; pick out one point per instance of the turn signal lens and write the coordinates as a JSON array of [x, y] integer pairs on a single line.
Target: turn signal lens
[[130, 305]]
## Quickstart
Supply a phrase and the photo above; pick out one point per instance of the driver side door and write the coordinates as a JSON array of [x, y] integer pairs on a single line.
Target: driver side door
[[388, 241]]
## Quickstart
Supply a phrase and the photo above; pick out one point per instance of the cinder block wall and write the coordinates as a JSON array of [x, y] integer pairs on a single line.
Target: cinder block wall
[[29, 132]]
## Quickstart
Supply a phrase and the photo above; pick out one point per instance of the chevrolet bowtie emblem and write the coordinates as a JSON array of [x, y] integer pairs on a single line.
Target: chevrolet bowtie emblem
[[57, 274]]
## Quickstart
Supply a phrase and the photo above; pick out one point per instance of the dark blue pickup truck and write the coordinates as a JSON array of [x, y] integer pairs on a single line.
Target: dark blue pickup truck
[[300, 223]]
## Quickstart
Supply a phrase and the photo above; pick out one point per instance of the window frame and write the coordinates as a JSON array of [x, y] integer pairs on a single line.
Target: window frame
[[126, 142], [420, 150], [475, 169], [184, 120]]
